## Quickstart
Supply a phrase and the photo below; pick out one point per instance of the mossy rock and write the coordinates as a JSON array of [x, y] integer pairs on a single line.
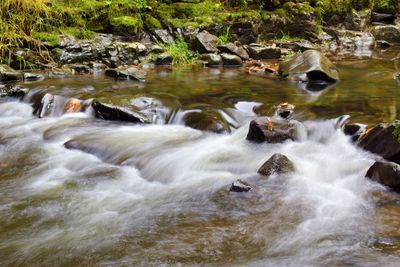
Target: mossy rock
[[150, 23], [49, 39], [127, 24]]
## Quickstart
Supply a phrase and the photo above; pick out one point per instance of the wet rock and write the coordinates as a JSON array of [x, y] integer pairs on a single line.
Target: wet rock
[[231, 60], [32, 77], [244, 32], [205, 42], [77, 68], [12, 91], [386, 173], [240, 186], [233, 49], [388, 33], [208, 120], [311, 65], [8, 74], [277, 164], [264, 130], [163, 59], [380, 140], [263, 52], [113, 113], [212, 60], [354, 130], [126, 73]]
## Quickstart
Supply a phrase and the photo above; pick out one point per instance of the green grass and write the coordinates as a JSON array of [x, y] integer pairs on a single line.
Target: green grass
[[225, 37], [180, 52]]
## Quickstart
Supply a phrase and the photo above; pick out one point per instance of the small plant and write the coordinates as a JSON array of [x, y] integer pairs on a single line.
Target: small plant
[[225, 37], [180, 52]]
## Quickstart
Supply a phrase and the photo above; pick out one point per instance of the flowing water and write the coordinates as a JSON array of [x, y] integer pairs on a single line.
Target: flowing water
[[156, 194]]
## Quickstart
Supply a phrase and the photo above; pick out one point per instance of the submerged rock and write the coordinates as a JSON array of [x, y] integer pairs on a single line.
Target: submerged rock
[[381, 140], [386, 173], [311, 65], [240, 186], [207, 120], [113, 113], [8, 74], [126, 73], [12, 91], [277, 164]]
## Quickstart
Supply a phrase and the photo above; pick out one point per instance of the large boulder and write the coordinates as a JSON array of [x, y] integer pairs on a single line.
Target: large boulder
[[257, 51], [381, 140], [8, 74], [388, 33], [205, 42], [264, 130], [386, 173], [233, 49], [277, 164], [311, 65]]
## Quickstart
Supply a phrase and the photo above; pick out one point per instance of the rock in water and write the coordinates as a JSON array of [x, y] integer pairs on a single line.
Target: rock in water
[[233, 49], [108, 112], [386, 173], [208, 120], [265, 130], [311, 65], [380, 140], [8, 74], [240, 186], [277, 164]]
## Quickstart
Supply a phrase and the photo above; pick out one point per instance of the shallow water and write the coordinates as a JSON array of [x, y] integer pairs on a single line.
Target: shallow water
[[156, 195]]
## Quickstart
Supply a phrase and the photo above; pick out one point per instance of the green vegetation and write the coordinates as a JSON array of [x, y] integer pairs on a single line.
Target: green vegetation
[[180, 52], [30, 23], [225, 37]]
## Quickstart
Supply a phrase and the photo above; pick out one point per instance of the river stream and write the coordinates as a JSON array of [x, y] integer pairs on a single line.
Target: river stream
[[156, 194]]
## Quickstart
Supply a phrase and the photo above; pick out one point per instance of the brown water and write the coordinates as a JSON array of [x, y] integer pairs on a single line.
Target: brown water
[[155, 195]]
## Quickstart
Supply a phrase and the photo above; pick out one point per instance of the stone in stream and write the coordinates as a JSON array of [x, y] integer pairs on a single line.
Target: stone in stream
[[239, 186], [126, 73], [233, 49], [77, 68], [354, 130], [231, 60], [12, 91], [276, 164], [208, 120], [205, 42], [163, 59], [261, 130], [212, 60], [381, 140], [386, 173], [311, 65], [8, 74], [113, 113], [32, 77]]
